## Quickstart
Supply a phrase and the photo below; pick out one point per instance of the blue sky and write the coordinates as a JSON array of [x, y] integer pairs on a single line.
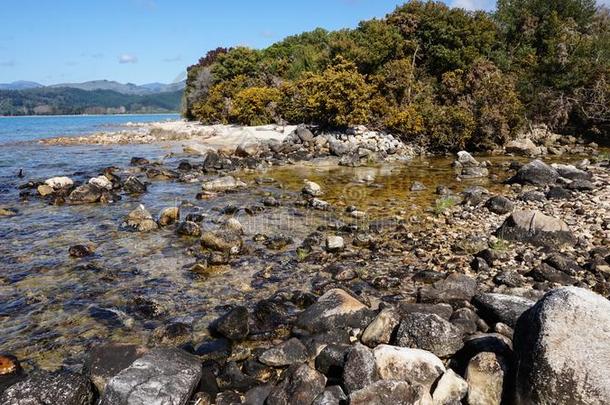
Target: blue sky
[[142, 41]]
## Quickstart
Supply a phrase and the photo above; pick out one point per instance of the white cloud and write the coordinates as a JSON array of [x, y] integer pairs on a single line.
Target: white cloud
[[128, 58], [473, 4], [267, 34]]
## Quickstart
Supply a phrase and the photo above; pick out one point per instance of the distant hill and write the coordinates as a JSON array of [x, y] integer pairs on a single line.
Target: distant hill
[[68, 100], [127, 88], [20, 85]]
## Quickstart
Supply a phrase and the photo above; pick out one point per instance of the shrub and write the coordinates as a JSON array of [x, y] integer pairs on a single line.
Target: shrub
[[255, 106]]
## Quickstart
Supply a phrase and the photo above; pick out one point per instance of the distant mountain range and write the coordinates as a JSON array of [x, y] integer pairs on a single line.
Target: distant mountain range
[[94, 97], [127, 88]]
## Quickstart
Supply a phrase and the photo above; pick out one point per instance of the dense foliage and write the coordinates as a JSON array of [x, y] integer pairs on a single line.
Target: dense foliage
[[445, 76], [64, 100]]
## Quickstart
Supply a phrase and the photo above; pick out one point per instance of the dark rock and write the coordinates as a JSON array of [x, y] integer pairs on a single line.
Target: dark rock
[[300, 386], [501, 308], [107, 360], [139, 161], [331, 361], [429, 332], [234, 324], [228, 398], [161, 174], [169, 216], [536, 228], [43, 387], [11, 371], [532, 195], [562, 349], [500, 205], [511, 279], [81, 250], [85, 194], [469, 245], [359, 370], [581, 185], [465, 319], [257, 395], [537, 173], [474, 195], [174, 334], [287, 353], [188, 228], [232, 378], [217, 349], [269, 315], [479, 265], [563, 263], [558, 193], [335, 309], [571, 172], [544, 272], [278, 242], [134, 186], [428, 276]]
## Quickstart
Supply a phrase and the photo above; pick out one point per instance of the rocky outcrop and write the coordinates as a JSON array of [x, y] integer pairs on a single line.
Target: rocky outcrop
[[561, 346]]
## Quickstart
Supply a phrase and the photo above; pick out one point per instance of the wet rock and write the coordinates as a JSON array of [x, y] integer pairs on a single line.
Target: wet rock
[[271, 202], [139, 161], [300, 386], [474, 195], [318, 204], [359, 370], [544, 272], [162, 376], [311, 189], [450, 389], [536, 228], [57, 183], [334, 243], [335, 309], [85, 194], [234, 226], [43, 387], [290, 352], [417, 186], [474, 172], [382, 328], [278, 242], [139, 220], [388, 393], [232, 378], [169, 216], [537, 173], [226, 242], [455, 288], [234, 324], [101, 182], [160, 173], [134, 186], [501, 307], [174, 334], [562, 351], [107, 360], [332, 395], [485, 376], [414, 366], [500, 205], [217, 349], [226, 183], [188, 228], [81, 250], [429, 332]]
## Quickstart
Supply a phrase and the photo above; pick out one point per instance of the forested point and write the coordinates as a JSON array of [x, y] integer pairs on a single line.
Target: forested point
[[444, 77]]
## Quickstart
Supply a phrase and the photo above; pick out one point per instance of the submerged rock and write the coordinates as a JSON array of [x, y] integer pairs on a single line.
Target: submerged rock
[[134, 186], [140, 220], [334, 243], [81, 250], [188, 228], [162, 376], [219, 241], [311, 189], [227, 183], [44, 387], [536, 228], [169, 216], [562, 351]]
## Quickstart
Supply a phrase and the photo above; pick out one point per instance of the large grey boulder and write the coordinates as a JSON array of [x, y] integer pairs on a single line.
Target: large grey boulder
[[43, 387], [562, 351], [536, 228], [301, 386], [359, 369], [107, 360], [161, 377], [501, 307], [415, 366], [537, 173]]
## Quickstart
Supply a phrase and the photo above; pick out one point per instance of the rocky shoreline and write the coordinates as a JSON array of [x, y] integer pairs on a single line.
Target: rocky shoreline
[[486, 298]]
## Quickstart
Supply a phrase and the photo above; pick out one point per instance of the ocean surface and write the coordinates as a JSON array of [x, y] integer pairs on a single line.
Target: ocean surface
[[18, 129]]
